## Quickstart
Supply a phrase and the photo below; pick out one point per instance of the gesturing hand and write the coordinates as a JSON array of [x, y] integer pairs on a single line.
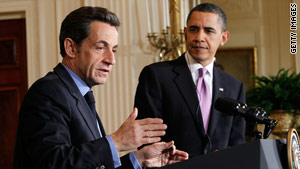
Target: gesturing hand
[[134, 133], [158, 155]]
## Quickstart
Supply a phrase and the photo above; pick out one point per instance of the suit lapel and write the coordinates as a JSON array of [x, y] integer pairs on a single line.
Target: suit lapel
[[187, 88], [87, 116], [219, 90], [81, 104]]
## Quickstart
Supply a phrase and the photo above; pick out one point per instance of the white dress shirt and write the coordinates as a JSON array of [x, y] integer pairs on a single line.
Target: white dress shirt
[[194, 67]]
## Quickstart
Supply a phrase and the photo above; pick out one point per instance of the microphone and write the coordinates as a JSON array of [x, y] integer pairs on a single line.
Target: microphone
[[232, 107], [252, 114]]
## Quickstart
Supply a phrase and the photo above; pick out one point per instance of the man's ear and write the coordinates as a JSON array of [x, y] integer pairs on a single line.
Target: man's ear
[[225, 37], [70, 47]]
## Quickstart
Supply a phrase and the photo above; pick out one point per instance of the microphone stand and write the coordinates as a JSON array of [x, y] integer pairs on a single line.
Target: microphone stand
[[253, 116], [257, 116]]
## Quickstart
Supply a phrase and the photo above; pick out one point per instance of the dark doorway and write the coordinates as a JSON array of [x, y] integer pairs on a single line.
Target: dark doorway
[[13, 84]]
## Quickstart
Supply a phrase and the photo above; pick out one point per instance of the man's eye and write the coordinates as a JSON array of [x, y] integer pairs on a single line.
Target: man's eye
[[193, 29], [210, 30], [100, 48], [114, 50]]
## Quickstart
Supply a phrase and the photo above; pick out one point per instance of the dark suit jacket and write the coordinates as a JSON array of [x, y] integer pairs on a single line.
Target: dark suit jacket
[[56, 129], [166, 90]]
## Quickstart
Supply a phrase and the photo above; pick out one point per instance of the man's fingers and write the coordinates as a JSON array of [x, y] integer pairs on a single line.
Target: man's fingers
[[133, 115], [176, 159], [150, 121], [154, 133], [166, 145], [149, 140], [154, 127], [181, 154]]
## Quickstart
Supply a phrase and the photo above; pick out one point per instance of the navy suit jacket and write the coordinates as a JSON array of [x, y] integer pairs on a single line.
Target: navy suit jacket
[[56, 129], [166, 90]]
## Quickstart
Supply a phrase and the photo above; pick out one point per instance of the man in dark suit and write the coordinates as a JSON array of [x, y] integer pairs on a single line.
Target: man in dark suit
[[169, 90], [58, 123]]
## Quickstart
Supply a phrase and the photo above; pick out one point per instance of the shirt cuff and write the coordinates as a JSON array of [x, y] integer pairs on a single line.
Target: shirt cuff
[[116, 158], [134, 161]]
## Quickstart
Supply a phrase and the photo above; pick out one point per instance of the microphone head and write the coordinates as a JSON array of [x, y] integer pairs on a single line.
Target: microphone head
[[230, 106]]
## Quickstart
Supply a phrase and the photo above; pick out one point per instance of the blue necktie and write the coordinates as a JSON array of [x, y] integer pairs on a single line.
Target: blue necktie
[[89, 97]]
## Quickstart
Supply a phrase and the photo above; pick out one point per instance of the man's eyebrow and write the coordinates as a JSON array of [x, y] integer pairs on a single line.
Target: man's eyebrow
[[194, 26], [209, 28], [105, 43], [206, 27]]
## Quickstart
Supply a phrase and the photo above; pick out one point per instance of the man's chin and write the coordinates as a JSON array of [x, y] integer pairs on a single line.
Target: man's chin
[[200, 56], [99, 81]]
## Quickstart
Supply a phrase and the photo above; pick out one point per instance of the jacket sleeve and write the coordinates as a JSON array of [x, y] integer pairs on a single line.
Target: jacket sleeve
[[148, 98]]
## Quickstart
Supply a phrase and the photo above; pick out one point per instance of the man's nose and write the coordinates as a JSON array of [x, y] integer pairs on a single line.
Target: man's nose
[[200, 36], [110, 57]]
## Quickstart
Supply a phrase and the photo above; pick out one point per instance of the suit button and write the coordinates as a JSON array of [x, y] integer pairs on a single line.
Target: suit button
[[101, 167]]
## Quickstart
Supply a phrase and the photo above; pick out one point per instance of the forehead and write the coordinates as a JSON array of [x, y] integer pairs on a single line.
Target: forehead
[[204, 18], [100, 31]]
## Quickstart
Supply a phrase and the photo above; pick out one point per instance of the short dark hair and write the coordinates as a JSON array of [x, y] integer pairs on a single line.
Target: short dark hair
[[76, 25], [211, 8]]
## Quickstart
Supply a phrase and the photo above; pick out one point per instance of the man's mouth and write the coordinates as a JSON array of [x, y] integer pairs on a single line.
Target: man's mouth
[[103, 71], [199, 47]]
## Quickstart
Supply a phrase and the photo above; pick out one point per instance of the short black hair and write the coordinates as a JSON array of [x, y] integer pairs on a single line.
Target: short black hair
[[76, 25], [211, 8]]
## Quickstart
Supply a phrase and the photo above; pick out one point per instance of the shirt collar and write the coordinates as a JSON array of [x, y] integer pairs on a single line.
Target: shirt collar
[[82, 86], [194, 66]]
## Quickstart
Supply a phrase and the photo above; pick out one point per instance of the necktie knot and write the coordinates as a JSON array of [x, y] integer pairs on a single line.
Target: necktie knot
[[202, 72], [89, 97]]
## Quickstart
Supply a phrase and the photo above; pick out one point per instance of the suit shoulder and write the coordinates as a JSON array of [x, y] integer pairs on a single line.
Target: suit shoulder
[[47, 92], [48, 82], [158, 69], [165, 66], [49, 86], [161, 65]]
